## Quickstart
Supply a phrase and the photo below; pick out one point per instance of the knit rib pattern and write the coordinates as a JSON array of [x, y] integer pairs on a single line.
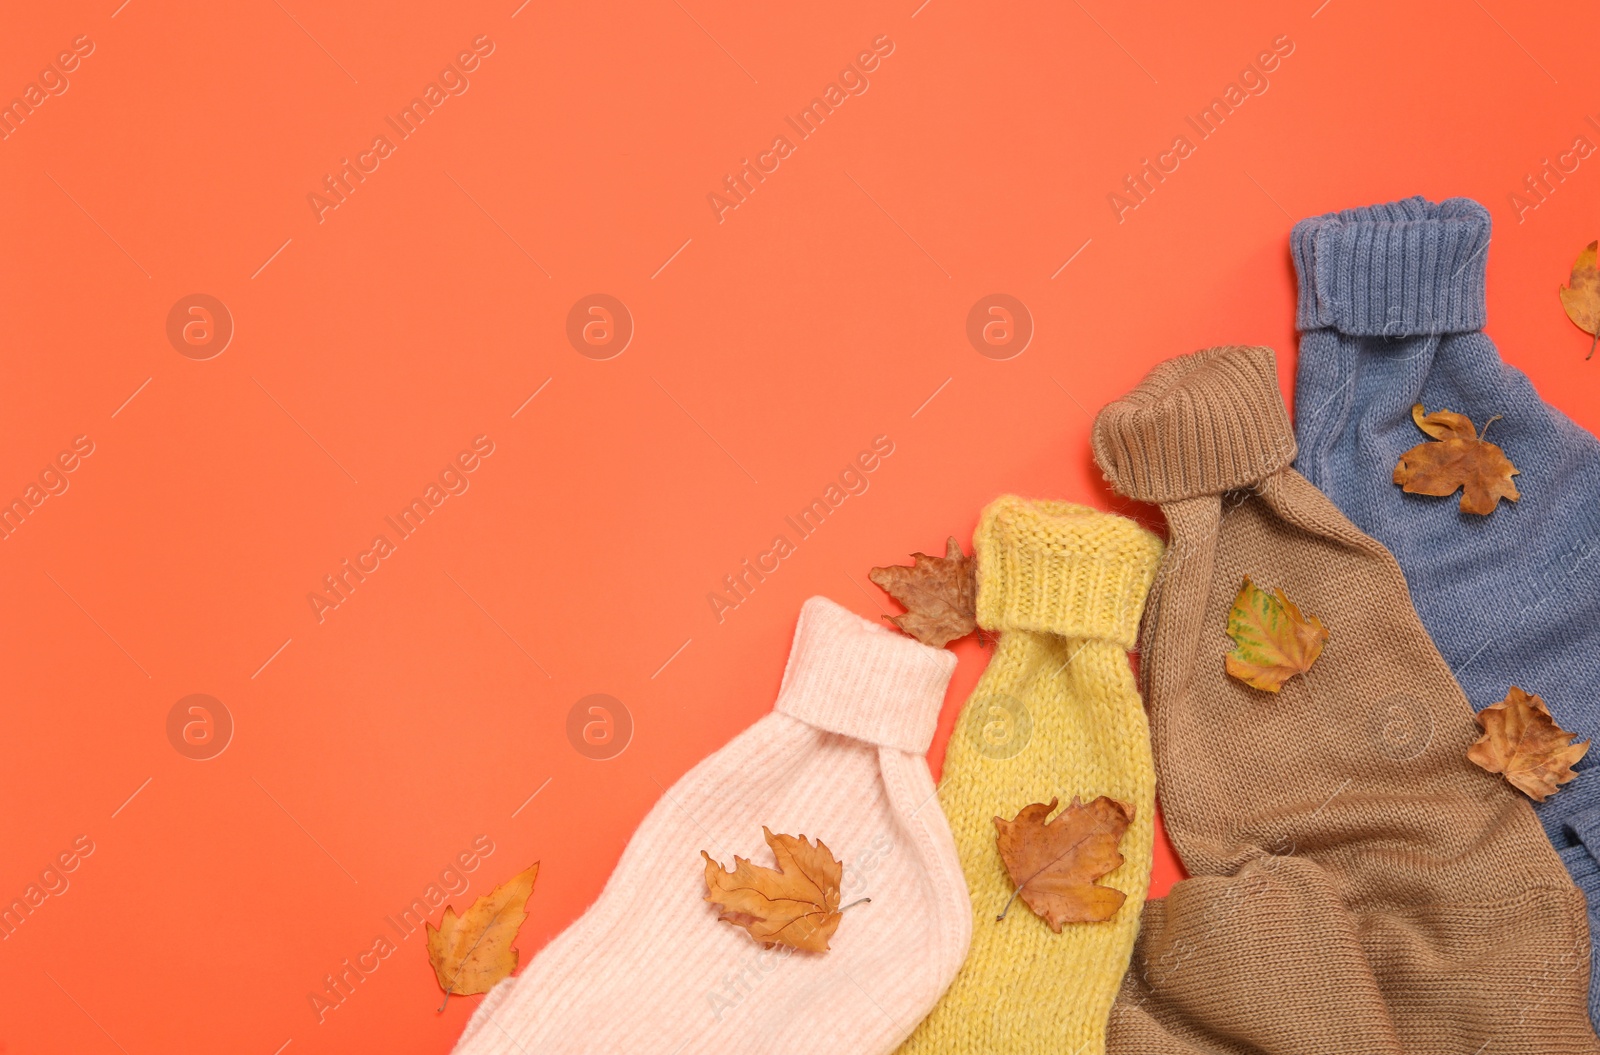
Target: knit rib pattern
[[650, 970], [1196, 426], [1356, 886], [1056, 714], [837, 678], [1511, 598], [1409, 267]]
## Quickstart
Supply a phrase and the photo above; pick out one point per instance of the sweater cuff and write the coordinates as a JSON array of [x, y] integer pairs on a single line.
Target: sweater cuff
[[1397, 270], [1199, 424], [851, 676], [1059, 568]]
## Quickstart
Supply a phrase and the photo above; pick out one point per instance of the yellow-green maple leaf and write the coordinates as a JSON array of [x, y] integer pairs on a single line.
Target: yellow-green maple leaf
[[1272, 641]]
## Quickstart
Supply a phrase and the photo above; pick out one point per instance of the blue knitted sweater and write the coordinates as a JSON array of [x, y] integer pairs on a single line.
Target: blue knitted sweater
[[1391, 314]]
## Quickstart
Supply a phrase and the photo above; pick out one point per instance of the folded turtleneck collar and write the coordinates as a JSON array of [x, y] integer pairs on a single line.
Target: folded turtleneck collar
[[1199, 424], [849, 675], [1398, 270], [1060, 568]]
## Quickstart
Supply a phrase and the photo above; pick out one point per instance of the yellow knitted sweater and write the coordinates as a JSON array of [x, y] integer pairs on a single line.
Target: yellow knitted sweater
[[1057, 713]]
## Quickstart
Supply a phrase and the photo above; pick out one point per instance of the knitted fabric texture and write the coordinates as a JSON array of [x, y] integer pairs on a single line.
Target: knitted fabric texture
[[1391, 309], [1356, 885], [650, 970], [1055, 714]]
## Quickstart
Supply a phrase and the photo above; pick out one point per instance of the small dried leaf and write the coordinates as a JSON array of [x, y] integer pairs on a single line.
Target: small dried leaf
[[795, 904], [940, 595], [1272, 641], [1581, 295], [1056, 865], [1444, 424], [1522, 742], [1459, 458], [471, 952]]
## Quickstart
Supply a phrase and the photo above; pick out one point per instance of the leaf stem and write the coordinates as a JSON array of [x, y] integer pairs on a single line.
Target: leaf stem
[[1592, 342], [1000, 918], [857, 901], [1485, 430]]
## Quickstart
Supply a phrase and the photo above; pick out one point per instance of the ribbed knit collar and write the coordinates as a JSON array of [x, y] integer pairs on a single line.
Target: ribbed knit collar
[[1199, 424], [1065, 569], [849, 675], [1397, 270]]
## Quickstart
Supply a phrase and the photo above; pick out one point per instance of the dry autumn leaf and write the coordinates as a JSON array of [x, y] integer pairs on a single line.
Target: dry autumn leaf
[[1581, 295], [1458, 457], [1272, 641], [796, 904], [1522, 742], [471, 952], [1056, 865], [940, 595]]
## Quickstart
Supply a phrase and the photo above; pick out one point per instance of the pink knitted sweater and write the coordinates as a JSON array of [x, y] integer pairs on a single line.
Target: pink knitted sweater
[[649, 969]]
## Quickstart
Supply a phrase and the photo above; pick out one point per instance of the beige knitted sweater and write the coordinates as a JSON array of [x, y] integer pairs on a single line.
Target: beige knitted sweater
[[1357, 886]]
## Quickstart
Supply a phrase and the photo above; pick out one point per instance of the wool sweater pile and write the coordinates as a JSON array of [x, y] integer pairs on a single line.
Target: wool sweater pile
[[1056, 714], [1356, 885], [1392, 313], [650, 970]]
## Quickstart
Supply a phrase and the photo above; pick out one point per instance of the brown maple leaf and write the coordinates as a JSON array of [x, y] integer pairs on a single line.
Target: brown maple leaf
[[940, 595], [1581, 295], [471, 952], [1457, 458], [795, 904], [1522, 742], [1056, 865], [1272, 641]]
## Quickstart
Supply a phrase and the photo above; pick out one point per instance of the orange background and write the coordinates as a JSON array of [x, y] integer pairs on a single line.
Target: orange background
[[372, 747]]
